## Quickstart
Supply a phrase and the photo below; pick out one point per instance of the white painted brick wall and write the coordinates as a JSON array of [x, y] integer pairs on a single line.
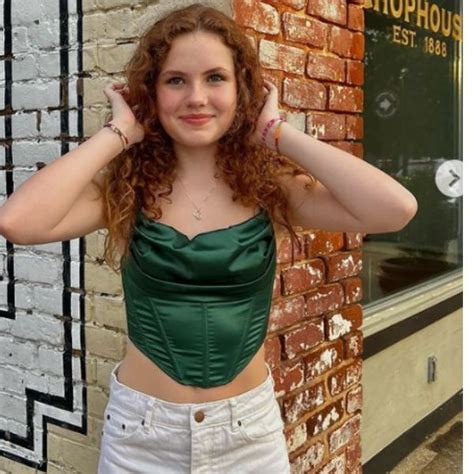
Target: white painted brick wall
[[44, 35], [39, 328], [37, 95], [47, 299], [50, 123], [15, 406], [28, 153], [41, 270], [24, 125]]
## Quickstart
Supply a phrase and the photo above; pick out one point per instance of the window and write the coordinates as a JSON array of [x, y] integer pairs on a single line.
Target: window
[[412, 127]]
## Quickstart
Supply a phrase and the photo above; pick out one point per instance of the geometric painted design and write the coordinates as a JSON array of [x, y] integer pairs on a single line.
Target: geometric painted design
[[42, 341]]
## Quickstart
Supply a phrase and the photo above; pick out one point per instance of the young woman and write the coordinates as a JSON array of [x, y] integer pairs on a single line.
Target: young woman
[[193, 177]]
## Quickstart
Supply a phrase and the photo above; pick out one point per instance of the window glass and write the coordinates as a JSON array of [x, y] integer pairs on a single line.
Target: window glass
[[412, 131]]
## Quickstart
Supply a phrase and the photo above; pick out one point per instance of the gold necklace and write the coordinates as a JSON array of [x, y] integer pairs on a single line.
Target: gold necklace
[[197, 213]]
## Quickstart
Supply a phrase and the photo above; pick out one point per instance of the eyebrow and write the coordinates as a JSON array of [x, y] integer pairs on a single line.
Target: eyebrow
[[206, 72]]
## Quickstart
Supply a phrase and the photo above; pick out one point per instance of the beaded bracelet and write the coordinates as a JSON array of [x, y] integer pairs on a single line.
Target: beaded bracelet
[[277, 136], [122, 136], [267, 128]]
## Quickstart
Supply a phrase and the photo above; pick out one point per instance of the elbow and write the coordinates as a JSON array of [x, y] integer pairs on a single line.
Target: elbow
[[407, 214], [7, 230]]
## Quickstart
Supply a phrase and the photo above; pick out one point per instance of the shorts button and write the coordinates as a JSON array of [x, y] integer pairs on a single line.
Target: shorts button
[[199, 416]]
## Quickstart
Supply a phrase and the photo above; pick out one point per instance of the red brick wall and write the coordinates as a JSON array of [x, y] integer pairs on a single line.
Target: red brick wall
[[313, 51]]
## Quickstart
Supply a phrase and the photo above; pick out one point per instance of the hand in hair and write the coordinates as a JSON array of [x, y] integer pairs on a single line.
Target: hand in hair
[[123, 116], [268, 112]]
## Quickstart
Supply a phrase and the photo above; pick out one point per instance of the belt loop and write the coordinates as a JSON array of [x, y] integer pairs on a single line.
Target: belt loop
[[233, 413], [149, 415]]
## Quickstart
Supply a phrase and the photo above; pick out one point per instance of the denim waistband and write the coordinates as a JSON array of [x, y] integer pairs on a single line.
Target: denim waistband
[[157, 411]]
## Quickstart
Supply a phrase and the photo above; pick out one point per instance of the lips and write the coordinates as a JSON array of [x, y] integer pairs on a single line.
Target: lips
[[196, 119], [196, 116]]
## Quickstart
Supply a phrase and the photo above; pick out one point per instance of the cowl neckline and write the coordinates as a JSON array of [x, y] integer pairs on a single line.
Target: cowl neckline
[[156, 225]]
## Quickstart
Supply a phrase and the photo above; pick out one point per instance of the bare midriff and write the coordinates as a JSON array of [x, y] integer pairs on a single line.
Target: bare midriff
[[141, 374]]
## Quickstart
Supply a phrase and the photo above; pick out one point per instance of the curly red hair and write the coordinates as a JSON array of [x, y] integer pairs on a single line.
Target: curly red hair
[[132, 179]]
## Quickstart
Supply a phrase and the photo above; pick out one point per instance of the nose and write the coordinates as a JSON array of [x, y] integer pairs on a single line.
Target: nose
[[197, 95]]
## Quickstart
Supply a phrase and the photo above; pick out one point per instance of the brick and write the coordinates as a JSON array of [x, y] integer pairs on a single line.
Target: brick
[[310, 459], [35, 96], [104, 369], [325, 68], [303, 338], [353, 344], [24, 125], [344, 43], [33, 269], [326, 126], [325, 298], [94, 90], [284, 250], [295, 406], [335, 465], [101, 279], [352, 290], [354, 455], [286, 312], [323, 242], [46, 34], [290, 377], [94, 119], [296, 437], [258, 16], [274, 55], [75, 457], [323, 359], [272, 351], [354, 127], [355, 72], [109, 311], [334, 11], [326, 417], [345, 99], [343, 265], [355, 18], [24, 67], [304, 94], [113, 58], [353, 373], [304, 30], [97, 400], [354, 400], [343, 321], [29, 153], [343, 435], [105, 343], [92, 438], [336, 382], [296, 4], [357, 46], [302, 277]]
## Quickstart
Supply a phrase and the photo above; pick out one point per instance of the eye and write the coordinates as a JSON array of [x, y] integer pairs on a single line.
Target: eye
[[169, 81], [217, 75]]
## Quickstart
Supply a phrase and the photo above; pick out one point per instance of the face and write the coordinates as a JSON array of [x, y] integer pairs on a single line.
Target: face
[[203, 82]]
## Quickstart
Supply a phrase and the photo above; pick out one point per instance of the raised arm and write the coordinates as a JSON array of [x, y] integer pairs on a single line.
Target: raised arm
[[60, 201]]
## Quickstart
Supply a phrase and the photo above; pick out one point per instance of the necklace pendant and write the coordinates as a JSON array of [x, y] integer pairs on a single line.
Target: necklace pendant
[[197, 214]]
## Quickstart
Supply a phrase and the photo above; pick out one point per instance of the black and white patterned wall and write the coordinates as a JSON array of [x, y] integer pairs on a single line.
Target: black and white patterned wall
[[42, 353]]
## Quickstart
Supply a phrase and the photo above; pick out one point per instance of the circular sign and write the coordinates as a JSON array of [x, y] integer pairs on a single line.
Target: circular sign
[[386, 104], [448, 178]]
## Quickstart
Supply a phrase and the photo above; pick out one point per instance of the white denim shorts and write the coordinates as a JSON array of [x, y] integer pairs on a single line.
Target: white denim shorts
[[237, 435]]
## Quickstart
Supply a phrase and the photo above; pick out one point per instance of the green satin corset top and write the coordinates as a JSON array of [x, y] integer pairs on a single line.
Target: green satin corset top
[[198, 308]]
